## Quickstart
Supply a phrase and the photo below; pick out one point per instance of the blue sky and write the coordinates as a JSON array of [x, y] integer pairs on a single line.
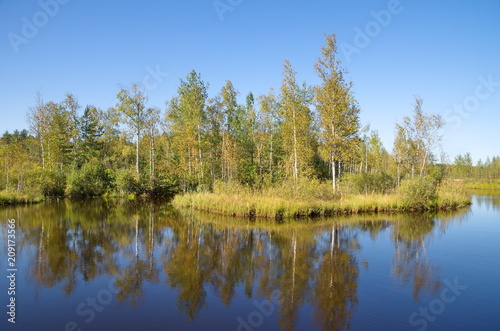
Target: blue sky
[[447, 52]]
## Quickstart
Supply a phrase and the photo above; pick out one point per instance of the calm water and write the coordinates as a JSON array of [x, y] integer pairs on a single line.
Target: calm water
[[97, 265]]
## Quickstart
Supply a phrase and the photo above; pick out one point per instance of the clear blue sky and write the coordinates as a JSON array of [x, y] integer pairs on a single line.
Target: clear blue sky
[[438, 50]]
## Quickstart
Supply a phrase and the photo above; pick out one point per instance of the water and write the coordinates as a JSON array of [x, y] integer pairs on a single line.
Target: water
[[96, 265]]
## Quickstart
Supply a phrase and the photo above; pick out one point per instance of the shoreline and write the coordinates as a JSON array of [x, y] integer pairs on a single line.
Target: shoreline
[[265, 207]]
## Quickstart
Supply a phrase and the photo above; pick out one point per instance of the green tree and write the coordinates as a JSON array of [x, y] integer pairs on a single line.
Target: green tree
[[186, 120], [152, 131], [38, 120], [214, 138], [337, 108], [296, 125], [231, 129], [376, 153], [463, 165], [91, 130], [59, 135], [268, 147], [72, 107], [131, 109], [423, 136]]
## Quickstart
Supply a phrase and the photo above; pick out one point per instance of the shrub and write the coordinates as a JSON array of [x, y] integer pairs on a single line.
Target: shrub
[[126, 181], [163, 186], [49, 183], [418, 193], [303, 189], [89, 180], [234, 187], [365, 183]]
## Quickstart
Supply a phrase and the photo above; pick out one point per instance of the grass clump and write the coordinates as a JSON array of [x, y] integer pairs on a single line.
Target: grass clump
[[482, 184], [11, 198], [295, 199], [418, 193], [366, 183]]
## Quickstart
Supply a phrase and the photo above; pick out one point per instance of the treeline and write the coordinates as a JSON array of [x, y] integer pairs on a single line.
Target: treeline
[[298, 132], [464, 168]]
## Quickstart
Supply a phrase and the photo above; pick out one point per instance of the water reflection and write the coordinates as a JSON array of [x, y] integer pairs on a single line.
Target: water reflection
[[411, 264], [312, 264]]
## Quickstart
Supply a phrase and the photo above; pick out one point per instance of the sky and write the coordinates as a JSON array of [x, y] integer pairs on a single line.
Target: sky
[[446, 52]]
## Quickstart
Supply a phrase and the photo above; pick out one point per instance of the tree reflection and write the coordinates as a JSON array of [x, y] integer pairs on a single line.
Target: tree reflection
[[410, 262], [336, 284], [182, 266], [139, 243]]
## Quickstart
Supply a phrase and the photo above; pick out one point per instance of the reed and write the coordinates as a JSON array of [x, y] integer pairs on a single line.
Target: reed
[[275, 203], [11, 198]]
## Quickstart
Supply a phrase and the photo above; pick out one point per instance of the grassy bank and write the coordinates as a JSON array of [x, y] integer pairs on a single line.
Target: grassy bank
[[278, 203], [12, 198], [481, 184]]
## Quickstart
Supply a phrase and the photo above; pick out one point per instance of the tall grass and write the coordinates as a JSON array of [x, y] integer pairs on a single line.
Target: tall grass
[[482, 184], [313, 198], [11, 198]]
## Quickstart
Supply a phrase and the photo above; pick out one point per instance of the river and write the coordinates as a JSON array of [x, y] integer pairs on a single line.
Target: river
[[132, 265]]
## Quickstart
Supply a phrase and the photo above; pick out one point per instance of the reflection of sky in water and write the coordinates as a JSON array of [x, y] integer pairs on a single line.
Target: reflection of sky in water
[[174, 271]]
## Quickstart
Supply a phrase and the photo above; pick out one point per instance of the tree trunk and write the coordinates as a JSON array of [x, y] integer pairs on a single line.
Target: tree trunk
[[152, 157], [295, 157], [223, 156], [399, 173], [200, 157], [42, 149], [423, 163], [334, 184], [339, 164], [271, 155], [137, 154], [7, 180]]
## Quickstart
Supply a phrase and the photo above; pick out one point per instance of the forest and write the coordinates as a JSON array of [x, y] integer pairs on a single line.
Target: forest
[[296, 140]]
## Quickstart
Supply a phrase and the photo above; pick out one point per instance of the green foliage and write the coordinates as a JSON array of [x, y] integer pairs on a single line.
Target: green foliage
[[126, 181], [436, 173], [481, 184], [234, 187], [88, 181], [274, 145], [420, 193], [366, 183], [10, 198], [303, 189], [91, 131], [49, 183], [296, 125], [161, 186], [337, 107]]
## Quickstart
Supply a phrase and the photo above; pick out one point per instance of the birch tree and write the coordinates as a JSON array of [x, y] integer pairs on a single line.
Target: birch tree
[[131, 109], [420, 135], [38, 120], [296, 125], [186, 117], [337, 108]]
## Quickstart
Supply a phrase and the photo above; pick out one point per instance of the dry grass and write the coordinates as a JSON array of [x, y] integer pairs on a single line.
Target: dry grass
[[11, 198], [482, 184], [275, 203]]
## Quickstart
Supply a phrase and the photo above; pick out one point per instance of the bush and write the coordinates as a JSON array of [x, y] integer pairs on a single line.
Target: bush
[[419, 193], [89, 180], [163, 186], [126, 181], [365, 183], [303, 189], [221, 187], [49, 183]]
